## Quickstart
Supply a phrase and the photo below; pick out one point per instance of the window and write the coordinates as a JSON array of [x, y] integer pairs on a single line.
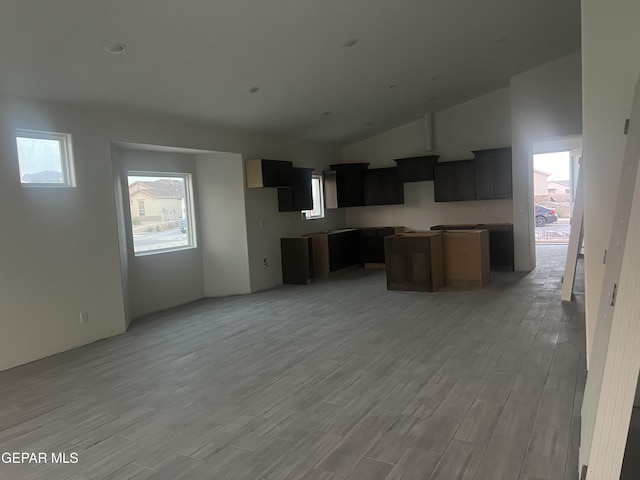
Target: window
[[318, 199], [44, 159], [161, 206]]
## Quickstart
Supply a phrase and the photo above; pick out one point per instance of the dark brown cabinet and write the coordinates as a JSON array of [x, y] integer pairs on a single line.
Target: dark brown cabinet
[[500, 242], [382, 187], [454, 181], [297, 260], [493, 174], [335, 250], [416, 169], [373, 244], [414, 261], [501, 253], [297, 197], [344, 185], [269, 173]]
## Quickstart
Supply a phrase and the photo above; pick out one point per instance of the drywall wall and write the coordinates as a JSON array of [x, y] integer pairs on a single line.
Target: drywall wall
[[64, 244], [162, 280], [545, 104], [480, 123], [222, 225], [611, 67]]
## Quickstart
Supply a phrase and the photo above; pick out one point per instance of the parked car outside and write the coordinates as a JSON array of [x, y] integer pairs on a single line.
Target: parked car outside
[[544, 215], [183, 225]]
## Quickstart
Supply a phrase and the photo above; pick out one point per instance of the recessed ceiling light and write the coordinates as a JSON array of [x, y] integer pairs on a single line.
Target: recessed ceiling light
[[433, 99], [350, 43], [253, 89], [324, 114], [115, 48]]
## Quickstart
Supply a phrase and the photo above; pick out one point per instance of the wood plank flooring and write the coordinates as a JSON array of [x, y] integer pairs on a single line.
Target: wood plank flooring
[[340, 380]]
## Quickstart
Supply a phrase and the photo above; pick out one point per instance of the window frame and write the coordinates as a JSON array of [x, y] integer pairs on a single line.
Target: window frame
[[307, 213], [66, 157], [189, 215]]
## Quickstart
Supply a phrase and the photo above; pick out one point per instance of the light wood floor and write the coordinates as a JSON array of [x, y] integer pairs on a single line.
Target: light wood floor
[[340, 380]]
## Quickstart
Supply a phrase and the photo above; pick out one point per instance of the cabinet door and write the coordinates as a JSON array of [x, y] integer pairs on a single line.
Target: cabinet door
[[465, 181], [344, 185], [454, 181], [444, 186], [382, 187], [493, 174], [420, 263], [370, 248], [416, 169]]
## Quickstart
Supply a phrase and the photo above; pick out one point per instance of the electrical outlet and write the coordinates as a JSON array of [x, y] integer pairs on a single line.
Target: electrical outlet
[[84, 317], [265, 264], [485, 209]]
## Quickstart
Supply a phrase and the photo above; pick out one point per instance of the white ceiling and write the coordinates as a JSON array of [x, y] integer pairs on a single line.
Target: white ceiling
[[195, 59]]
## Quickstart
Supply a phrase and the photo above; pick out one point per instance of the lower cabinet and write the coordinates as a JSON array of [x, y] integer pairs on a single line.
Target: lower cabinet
[[297, 260], [414, 261], [335, 250], [373, 244]]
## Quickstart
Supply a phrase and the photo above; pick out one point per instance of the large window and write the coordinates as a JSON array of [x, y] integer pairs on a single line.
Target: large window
[[161, 206], [318, 199], [45, 159]]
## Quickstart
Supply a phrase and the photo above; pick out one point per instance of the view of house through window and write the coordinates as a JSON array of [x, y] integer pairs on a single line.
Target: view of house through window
[[318, 199], [161, 209], [552, 197], [44, 158]]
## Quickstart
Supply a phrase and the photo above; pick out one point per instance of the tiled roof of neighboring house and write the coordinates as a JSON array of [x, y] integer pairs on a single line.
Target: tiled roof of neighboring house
[[159, 188], [566, 183], [544, 172]]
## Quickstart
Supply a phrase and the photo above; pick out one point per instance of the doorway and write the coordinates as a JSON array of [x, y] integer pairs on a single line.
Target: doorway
[[552, 197]]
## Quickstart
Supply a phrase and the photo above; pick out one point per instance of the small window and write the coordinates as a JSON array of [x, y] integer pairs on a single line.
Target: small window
[[318, 199], [44, 159], [161, 206]]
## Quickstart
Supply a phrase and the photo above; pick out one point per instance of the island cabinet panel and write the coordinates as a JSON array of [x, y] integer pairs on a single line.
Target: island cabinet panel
[[299, 196], [382, 187], [344, 185], [501, 243], [414, 261], [454, 181], [493, 174], [416, 169], [268, 173]]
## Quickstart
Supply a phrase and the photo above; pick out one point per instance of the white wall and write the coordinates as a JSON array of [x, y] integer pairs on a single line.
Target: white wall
[[63, 245], [222, 226], [545, 104], [611, 67], [480, 123], [164, 280]]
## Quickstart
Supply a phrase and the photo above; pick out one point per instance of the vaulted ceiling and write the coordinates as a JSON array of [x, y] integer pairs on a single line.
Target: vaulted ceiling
[[200, 59]]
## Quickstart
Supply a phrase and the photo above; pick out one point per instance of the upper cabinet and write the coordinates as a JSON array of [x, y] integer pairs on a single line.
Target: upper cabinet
[[486, 177], [344, 185], [298, 197], [269, 173], [382, 187], [493, 173], [416, 169], [454, 181]]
